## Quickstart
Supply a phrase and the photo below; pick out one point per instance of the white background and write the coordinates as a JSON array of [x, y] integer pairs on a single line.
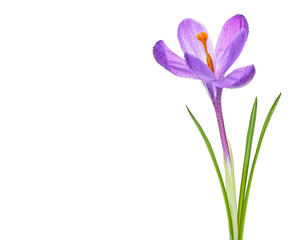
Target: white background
[[95, 140]]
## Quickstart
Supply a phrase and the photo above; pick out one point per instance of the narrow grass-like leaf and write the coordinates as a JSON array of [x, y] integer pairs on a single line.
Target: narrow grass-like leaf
[[242, 221], [247, 158], [210, 149]]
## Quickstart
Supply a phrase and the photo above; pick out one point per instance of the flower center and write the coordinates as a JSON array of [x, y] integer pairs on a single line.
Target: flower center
[[203, 37]]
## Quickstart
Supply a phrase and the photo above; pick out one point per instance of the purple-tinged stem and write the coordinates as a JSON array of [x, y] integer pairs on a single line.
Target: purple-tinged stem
[[219, 115], [229, 173]]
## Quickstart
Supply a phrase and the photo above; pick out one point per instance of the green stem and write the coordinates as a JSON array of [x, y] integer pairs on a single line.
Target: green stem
[[231, 192]]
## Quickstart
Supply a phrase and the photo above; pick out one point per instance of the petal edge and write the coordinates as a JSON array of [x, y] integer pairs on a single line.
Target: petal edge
[[170, 61], [237, 78], [202, 71]]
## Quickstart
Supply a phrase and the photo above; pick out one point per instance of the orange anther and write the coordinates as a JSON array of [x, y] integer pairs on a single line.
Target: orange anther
[[203, 37]]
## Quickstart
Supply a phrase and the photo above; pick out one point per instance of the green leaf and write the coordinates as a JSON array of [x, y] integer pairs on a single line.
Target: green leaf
[[242, 220], [210, 149], [247, 158]]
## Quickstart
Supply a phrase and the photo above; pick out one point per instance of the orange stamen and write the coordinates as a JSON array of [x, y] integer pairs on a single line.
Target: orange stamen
[[203, 37]]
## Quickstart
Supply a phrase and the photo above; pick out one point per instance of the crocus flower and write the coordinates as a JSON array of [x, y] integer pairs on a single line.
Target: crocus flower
[[203, 63]]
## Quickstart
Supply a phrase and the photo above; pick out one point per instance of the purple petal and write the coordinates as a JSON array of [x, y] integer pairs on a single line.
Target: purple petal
[[228, 33], [202, 71], [238, 78], [187, 32], [170, 61], [231, 54]]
